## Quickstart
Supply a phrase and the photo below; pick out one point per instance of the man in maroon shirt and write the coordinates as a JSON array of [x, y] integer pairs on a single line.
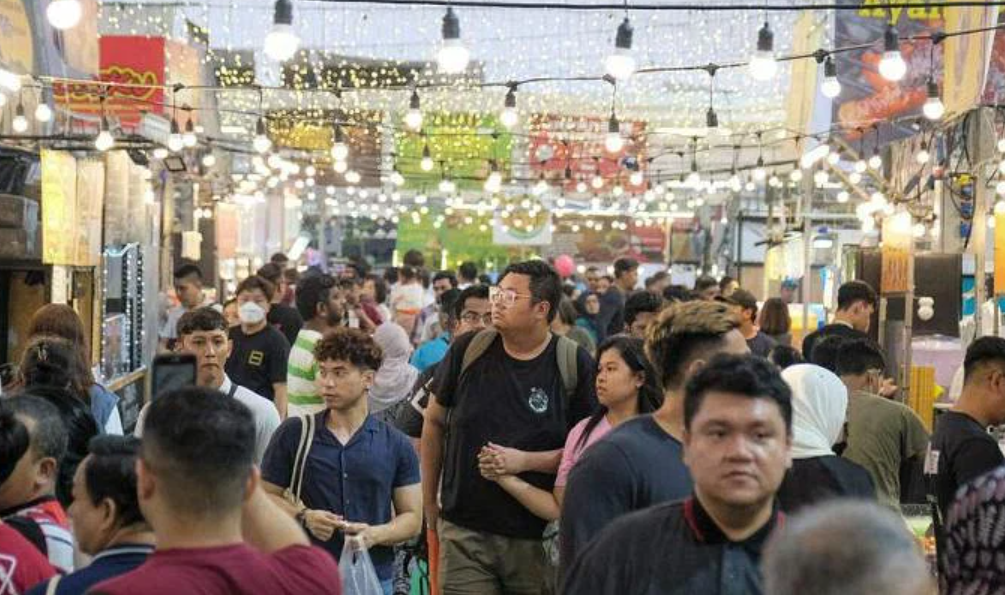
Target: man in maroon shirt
[[217, 532], [22, 565]]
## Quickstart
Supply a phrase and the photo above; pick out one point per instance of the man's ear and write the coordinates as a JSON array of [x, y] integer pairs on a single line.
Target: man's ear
[[45, 472], [146, 483]]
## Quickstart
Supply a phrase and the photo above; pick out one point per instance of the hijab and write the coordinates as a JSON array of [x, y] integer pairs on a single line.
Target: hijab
[[396, 377], [819, 408]]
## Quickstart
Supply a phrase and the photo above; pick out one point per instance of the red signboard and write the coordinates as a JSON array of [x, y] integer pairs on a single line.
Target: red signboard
[[557, 143]]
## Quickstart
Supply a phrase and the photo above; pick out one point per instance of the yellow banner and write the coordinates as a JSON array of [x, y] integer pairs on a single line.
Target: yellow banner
[[966, 57], [59, 207]]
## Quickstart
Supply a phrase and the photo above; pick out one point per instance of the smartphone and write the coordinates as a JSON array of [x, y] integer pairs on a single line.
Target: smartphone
[[171, 371]]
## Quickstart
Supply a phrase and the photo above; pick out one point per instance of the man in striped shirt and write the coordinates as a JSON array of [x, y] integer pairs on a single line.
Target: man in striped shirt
[[322, 307]]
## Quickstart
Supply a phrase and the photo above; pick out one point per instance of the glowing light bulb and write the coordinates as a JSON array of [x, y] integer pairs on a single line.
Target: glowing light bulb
[[397, 179], [843, 196], [933, 108], [208, 160], [922, 156], [597, 182], [796, 175], [10, 81], [262, 143], [452, 57], [340, 167], [831, 86], [636, 178], [581, 187], [763, 65], [282, 42], [820, 178], [509, 117], [43, 113], [620, 64], [20, 122], [760, 173], [413, 117], [892, 66], [160, 153], [875, 162], [64, 14], [104, 141]]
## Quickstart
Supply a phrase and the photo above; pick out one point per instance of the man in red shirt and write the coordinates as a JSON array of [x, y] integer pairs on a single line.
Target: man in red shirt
[[217, 532], [21, 564]]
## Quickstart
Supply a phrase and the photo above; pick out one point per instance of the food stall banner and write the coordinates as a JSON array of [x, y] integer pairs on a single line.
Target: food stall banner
[[536, 232], [557, 142], [967, 57], [463, 241], [463, 143], [59, 207], [999, 259], [90, 201], [894, 259]]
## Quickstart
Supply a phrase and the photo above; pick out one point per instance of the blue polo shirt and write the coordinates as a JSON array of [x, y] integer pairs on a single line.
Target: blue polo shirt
[[112, 562], [355, 481], [431, 353]]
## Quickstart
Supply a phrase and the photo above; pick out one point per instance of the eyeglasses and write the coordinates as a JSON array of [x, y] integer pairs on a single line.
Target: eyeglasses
[[475, 318], [508, 297]]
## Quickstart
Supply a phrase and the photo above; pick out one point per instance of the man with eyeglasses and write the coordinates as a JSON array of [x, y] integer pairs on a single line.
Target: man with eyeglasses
[[885, 437], [512, 393], [462, 312]]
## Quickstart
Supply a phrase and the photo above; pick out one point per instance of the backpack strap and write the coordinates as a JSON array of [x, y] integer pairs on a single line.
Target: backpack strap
[[303, 449], [53, 585], [566, 352], [479, 344]]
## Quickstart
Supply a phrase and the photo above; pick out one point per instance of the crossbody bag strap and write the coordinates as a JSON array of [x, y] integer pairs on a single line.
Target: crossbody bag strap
[[50, 589], [303, 449]]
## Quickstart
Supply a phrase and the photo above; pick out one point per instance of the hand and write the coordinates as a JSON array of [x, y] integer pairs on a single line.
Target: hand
[[888, 388], [366, 536], [503, 460], [488, 468], [322, 524]]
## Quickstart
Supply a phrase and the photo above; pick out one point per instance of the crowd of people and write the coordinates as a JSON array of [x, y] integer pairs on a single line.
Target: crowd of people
[[528, 434]]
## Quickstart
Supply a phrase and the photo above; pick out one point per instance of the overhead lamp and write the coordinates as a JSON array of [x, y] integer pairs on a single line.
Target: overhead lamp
[[413, 117], [43, 113], [922, 156], [763, 65], [759, 172], [189, 139], [396, 178], [262, 143], [340, 167], [453, 57], [10, 81], [427, 160], [581, 186], [541, 187], [447, 186], [861, 166], [855, 177], [160, 153], [892, 66], [104, 141], [340, 150], [351, 176], [831, 86], [509, 117], [933, 108], [711, 120], [636, 179], [821, 178], [620, 64], [64, 14], [494, 182], [282, 42], [597, 182], [843, 196], [20, 122], [875, 162], [208, 160], [613, 142], [796, 175], [834, 157]]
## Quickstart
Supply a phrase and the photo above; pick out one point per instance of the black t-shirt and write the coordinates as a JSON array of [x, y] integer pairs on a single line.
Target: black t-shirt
[[519, 404], [960, 450], [286, 320], [635, 466], [835, 329], [819, 479], [761, 344], [258, 361], [611, 319]]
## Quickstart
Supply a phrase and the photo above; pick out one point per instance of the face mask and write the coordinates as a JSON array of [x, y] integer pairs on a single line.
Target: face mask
[[251, 313]]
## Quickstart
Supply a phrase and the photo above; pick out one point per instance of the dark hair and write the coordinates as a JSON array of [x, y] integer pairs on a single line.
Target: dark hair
[[640, 302], [984, 349], [14, 441], [60, 320], [424, 277], [349, 345], [232, 300], [188, 270], [608, 278], [624, 265], [379, 288], [725, 281], [111, 473], [279, 258], [545, 284], [704, 282], [656, 277], [678, 294], [414, 258], [201, 444], [271, 272], [784, 356], [201, 320], [858, 356], [391, 275], [567, 312], [632, 352], [292, 276], [311, 291], [746, 375], [682, 332], [255, 282], [825, 351], [485, 279], [53, 361], [448, 299], [855, 291], [449, 275], [477, 291], [407, 273], [468, 271], [775, 319]]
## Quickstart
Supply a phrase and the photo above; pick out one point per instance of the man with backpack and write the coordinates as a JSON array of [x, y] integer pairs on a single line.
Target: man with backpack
[[514, 386]]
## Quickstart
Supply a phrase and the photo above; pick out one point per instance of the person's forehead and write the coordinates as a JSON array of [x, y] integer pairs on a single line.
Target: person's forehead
[[737, 409], [476, 305], [252, 293], [208, 335], [515, 281]]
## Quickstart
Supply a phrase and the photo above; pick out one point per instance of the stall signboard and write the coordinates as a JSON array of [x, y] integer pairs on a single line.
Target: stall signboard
[[463, 241], [895, 254], [17, 50], [90, 201], [645, 243], [462, 145], [557, 143], [59, 207]]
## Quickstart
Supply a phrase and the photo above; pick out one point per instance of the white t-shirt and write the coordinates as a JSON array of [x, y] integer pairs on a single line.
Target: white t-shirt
[[264, 412]]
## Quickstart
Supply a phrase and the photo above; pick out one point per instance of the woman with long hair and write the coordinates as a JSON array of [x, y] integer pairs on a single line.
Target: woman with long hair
[[776, 322], [62, 321]]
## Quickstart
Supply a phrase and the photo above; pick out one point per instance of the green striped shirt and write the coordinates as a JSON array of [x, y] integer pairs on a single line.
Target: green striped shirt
[[300, 372]]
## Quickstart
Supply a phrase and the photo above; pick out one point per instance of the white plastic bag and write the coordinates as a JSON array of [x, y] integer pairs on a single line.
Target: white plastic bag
[[359, 577]]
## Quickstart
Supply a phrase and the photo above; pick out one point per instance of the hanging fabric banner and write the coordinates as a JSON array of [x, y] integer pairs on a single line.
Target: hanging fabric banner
[[967, 57]]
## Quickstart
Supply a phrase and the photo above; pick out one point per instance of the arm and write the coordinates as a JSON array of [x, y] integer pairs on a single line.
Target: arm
[[322, 524], [406, 524], [510, 461], [263, 528], [282, 402], [541, 503], [431, 458]]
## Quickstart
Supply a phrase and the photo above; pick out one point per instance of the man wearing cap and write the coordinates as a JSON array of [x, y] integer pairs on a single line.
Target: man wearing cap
[[746, 306]]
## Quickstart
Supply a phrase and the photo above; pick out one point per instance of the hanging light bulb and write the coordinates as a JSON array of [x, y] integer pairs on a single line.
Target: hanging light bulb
[[340, 167], [427, 160], [861, 166], [933, 108], [541, 187], [636, 178], [189, 139], [175, 142], [762, 64], [160, 153], [821, 178], [10, 81], [43, 113], [597, 182], [453, 57], [876, 162], [581, 187], [340, 150], [796, 175], [104, 141], [854, 177], [922, 157], [509, 116], [396, 178], [843, 196], [262, 143], [351, 176], [834, 157], [892, 66], [282, 42], [64, 14], [759, 172], [613, 141], [621, 63], [20, 122], [831, 86], [413, 117], [711, 121], [209, 160], [494, 182]]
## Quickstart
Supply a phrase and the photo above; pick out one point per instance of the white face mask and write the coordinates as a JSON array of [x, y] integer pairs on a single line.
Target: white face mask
[[251, 313]]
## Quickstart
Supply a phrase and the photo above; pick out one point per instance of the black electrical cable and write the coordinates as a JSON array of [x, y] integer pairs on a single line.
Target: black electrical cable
[[793, 7]]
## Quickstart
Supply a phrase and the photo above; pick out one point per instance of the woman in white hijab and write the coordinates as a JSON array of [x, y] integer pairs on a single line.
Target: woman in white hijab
[[396, 377], [819, 408]]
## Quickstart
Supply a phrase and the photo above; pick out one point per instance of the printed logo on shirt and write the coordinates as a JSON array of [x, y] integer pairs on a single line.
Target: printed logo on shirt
[[538, 400], [255, 358]]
